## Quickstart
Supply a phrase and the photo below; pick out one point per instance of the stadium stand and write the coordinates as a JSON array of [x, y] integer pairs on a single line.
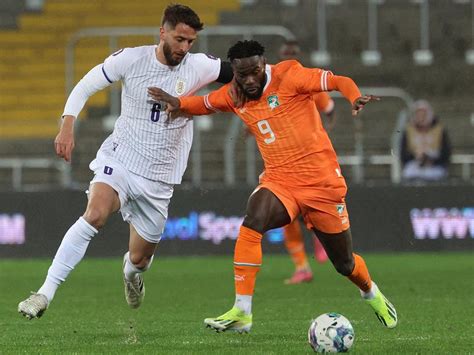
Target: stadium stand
[[34, 63]]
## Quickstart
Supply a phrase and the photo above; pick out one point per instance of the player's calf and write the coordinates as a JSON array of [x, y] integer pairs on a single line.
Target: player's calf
[[344, 267]]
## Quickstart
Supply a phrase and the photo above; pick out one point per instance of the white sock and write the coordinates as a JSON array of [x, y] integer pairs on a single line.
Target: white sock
[[244, 303], [371, 293], [69, 254], [130, 271]]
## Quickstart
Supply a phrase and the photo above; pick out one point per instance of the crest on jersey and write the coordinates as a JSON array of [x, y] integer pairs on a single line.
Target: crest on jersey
[[180, 86], [272, 101], [340, 208]]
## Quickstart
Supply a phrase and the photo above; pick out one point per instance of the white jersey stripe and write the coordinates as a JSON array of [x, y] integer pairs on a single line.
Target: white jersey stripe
[[322, 81], [208, 104], [247, 264]]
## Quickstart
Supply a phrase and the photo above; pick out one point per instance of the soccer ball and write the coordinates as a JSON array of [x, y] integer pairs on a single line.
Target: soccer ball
[[331, 333]]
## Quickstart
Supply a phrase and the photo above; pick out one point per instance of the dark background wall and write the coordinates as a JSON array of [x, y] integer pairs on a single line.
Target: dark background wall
[[206, 221]]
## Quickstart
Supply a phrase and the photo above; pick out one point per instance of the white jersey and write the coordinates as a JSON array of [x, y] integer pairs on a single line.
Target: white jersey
[[145, 140]]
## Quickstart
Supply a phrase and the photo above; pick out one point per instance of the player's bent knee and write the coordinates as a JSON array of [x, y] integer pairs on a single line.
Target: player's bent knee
[[96, 217], [254, 223], [139, 260], [345, 268]]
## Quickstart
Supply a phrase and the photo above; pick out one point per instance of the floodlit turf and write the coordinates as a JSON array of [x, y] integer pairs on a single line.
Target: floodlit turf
[[433, 294]]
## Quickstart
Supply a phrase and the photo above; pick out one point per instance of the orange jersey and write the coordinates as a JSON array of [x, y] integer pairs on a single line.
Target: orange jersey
[[294, 146]]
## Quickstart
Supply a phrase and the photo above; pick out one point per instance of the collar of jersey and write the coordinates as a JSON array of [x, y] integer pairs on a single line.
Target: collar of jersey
[[268, 73]]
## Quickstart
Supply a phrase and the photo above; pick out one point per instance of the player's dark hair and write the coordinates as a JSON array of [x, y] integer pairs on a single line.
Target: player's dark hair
[[176, 13], [245, 49]]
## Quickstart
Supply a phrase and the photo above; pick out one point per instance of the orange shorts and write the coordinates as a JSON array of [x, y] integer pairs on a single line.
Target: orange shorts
[[322, 206]]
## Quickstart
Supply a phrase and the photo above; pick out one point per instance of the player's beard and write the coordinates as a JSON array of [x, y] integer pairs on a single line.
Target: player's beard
[[169, 55], [255, 95]]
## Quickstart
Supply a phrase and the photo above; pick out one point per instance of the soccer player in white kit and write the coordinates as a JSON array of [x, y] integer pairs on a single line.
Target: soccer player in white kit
[[145, 156]]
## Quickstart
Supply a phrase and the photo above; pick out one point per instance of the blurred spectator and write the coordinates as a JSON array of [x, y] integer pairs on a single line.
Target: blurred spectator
[[290, 49], [425, 147], [34, 5]]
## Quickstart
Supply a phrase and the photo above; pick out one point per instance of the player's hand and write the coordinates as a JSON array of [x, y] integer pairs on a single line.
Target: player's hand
[[360, 102], [64, 142], [236, 94], [172, 102]]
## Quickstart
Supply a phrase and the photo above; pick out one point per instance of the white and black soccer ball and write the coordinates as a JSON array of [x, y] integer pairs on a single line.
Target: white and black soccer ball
[[331, 333]]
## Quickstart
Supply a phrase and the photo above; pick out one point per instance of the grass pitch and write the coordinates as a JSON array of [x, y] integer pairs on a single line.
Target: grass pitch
[[433, 294]]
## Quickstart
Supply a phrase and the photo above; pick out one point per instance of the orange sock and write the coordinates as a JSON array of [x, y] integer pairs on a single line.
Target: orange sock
[[295, 245], [360, 275], [247, 260]]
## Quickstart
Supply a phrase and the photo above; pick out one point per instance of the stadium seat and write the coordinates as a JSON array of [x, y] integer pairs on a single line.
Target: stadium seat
[[32, 59]]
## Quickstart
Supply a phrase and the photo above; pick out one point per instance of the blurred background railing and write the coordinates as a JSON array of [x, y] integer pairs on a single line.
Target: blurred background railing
[[423, 49]]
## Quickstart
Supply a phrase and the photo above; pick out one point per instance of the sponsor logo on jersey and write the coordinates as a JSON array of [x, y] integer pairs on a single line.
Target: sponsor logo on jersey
[[340, 208], [272, 101], [180, 86]]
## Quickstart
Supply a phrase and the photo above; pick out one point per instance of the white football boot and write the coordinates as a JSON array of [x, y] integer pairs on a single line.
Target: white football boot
[[134, 290], [34, 306]]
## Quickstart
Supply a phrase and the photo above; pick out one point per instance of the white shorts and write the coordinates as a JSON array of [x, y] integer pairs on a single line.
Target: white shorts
[[143, 203]]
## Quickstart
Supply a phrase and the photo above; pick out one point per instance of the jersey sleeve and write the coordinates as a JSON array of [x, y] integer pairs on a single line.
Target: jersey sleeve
[[115, 65], [111, 70], [308, 80], [208, 68], [323, 102], [313, 80], [215, 101], [92, 82]]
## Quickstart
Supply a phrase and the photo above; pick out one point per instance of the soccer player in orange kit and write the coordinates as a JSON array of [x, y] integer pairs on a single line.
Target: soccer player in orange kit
[[302, 175]]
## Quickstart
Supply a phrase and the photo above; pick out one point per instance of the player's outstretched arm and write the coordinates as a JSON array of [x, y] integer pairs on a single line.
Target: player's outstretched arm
[[350, 91], [64, 142], [92, 82], [218, 100], [318, 80]]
